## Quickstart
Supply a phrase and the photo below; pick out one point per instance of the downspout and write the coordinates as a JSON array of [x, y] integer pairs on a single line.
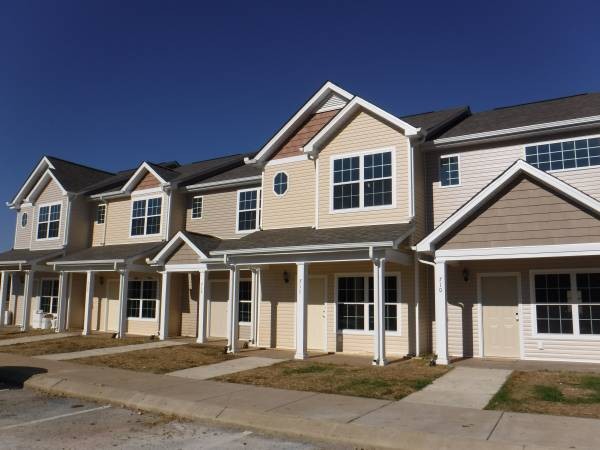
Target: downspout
[[167, 190], [67, 221]]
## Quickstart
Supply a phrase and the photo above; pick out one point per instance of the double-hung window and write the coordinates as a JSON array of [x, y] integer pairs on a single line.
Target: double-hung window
[[48, 222], [248, 210], [567, 303], [142, 299], [245, 295], [563, 155], [145, 216], [362, 181], [100, 214], [355, 303], [197, 207], [49, 296], [449, 171]]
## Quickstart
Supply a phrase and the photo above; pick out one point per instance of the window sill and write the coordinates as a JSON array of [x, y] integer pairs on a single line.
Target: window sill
[[366, 333], [247, 324], [362, 209], [566, 337], [142, 319]]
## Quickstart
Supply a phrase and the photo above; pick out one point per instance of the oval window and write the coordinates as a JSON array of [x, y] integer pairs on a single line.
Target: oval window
[[280, 183], [24, 220]]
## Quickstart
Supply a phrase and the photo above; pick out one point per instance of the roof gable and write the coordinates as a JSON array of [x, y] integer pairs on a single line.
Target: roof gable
[[514, 172], [198, 243], [140, 174]]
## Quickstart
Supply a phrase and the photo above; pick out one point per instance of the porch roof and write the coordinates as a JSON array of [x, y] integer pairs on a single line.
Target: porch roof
[[109, 254], [316, 239], [26, 256]]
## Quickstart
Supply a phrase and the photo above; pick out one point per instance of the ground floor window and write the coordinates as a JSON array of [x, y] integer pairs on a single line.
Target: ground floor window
[[142, 299], [49, 296], [567, 303], [355, 303], [245, 295]]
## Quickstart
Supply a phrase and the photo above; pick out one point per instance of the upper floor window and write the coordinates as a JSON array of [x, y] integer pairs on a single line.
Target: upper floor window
[[248, 210], [280, 183], [197, 207], [48, 222], [362, 181], [145, 217], [565, 154], [449, 172], [24, 218], [100, 214]]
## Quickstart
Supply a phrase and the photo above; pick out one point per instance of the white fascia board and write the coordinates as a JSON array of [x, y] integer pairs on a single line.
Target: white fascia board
[[167, 249], [43, 165], [300, 248], [223, 183], [108, 195], [516, 130], [91, 261], [520, 167], [340, 119], [528, 251], [301, 115], [137, 176], [45, 178]]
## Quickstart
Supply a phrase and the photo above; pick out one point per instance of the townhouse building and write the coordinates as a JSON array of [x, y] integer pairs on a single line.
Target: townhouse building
[[350, 230]]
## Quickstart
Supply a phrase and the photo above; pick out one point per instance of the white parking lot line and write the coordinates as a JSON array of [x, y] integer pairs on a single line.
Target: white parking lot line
[[48, 419]]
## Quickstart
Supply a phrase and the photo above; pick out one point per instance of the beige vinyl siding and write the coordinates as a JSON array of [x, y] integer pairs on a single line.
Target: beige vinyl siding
[[76, 305], [82, 215], [178, 213], [364, 133], [23, 234], [184, 255], [280, 299], [481, 164], [526, 214], [118, 223], [265, 325], [419, 197], [188, 304], [98, 230], [218, 214], [50, 194], [296, 208]]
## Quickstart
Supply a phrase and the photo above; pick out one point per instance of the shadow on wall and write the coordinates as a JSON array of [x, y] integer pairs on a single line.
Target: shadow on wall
[[18, 375], [466, 327]]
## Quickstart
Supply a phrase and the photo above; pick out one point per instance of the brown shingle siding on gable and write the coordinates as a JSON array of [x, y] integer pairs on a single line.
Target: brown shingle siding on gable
[[148, 182], [526, 213], [184, 255], [305, 133]]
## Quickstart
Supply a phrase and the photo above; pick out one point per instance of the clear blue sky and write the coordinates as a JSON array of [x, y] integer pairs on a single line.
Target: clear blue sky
[[111, 83]]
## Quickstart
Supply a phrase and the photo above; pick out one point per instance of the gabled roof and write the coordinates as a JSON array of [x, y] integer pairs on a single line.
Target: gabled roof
[[26, 256], [544, 114], [108, 254], [202, 244], [434, 123], [479, 200], [298, 118]]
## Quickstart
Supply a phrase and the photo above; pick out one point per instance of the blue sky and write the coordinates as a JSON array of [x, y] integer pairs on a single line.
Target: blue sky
[[111, 83]]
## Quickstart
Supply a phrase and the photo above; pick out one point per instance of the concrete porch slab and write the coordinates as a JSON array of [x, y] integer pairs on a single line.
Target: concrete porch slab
[[462, 387], [111, 350], [225, 368]]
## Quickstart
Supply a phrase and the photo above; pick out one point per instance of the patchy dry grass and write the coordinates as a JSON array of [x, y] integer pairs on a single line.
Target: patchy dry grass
[[160, 360], [391, 382], [70, 344], [544, 392], [15, 332]]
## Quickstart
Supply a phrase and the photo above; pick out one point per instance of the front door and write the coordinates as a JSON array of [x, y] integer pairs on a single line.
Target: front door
[[112, 308], [500, 315], [315, 318], [217, 298]]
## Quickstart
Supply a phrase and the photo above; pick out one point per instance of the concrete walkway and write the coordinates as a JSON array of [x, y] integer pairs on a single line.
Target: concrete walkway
[[110, 350], [353, 421], [462, 387], [224, 368], [37, 338]]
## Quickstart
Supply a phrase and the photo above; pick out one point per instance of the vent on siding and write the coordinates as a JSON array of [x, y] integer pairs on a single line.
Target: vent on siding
[[332, 102]]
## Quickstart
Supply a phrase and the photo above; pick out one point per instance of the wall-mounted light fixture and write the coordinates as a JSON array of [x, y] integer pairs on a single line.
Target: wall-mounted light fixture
[[465, 274], [286, 277]]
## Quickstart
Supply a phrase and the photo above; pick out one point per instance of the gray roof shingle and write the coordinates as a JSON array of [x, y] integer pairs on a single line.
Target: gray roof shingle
[[436, 122], [26, 256], [112, 252]]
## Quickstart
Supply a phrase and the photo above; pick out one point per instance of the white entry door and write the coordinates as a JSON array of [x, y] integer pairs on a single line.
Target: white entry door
[[112, 302], [316, 316], [500, 315], [217, 301]]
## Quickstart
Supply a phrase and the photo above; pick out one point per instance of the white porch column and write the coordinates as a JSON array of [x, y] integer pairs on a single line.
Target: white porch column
[[63, 281], [441, 312], [123, 288], [165, 300], [27, 294], [379, 312], [3, 295], [233, 306], [255, 304], [202, 291], [89, 299], [301, 309]]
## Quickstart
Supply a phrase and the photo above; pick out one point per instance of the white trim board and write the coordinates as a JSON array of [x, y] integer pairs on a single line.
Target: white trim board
[[529, 251], [170, 246]]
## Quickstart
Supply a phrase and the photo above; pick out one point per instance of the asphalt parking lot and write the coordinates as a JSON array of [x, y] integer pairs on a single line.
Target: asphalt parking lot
[[30, 420]]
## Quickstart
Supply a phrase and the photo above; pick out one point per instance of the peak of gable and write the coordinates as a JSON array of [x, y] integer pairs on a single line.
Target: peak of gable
[[332, 102]]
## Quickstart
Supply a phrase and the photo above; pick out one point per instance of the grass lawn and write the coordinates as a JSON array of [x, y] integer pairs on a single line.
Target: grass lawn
[[160, 360], [15, 332], [545, 392], [392, 382], [70, 344]]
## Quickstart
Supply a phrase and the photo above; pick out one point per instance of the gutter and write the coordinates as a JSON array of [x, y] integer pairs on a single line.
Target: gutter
[[306, 248], [223, 183]]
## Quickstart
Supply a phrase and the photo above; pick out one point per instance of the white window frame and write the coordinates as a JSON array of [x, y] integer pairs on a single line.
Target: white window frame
[[237, 210], [157, 301], [554, 141], [162, 209], [366, 276], [451, 155], [194, 198], [53, 299], [287, 183], [361, 180], [246, 301], [37, 221], [573, 302], [103, 207]]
